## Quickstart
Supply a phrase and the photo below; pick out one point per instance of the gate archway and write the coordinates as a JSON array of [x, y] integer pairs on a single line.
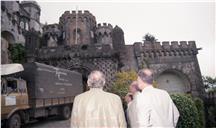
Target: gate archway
[[173, 81], [8, 36], [85, 72]]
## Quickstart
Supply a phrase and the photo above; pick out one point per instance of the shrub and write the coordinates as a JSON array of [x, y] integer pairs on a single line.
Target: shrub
[[188, 112], [122, 82], [200, 107], [211, 110], [17, 52]]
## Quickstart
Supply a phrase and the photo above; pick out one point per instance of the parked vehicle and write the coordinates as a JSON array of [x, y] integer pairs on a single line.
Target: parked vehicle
[[35, 90]]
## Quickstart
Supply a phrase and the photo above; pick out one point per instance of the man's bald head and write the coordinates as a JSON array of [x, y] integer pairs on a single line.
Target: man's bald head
[[96, 79], [146, 75]]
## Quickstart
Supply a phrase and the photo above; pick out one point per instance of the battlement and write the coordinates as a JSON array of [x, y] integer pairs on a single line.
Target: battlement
[[104, 29], [80, 15], [169, 45], [104, 25], [50, 28], [165, 48]]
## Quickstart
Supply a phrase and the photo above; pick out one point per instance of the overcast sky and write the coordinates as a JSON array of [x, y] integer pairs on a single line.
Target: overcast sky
[[167, 21]]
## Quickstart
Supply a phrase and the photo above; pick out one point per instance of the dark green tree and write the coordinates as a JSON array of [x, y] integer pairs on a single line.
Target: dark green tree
[[209, 83], [149, 37], [17, 53]]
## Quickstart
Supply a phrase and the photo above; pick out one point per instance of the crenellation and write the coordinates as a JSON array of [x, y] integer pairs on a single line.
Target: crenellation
[[73, 12], [183, 44], [80, 15], [192, 44], [79, 12], [174, 45], [165, 45], [147, 45], [157, 45], [99, 25], [155, 49], [86, 12], [104, 25]]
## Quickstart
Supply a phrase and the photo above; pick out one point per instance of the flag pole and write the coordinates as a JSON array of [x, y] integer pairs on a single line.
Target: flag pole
[[76, 23]]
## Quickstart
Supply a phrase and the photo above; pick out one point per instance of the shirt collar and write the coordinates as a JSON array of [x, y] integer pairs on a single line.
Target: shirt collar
[[95, 89], [147, 88]]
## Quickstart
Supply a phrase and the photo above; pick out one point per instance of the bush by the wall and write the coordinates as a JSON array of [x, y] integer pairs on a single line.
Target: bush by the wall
[[211, 110], [17, 53], [201, 112], [189, 117], [122, 81]]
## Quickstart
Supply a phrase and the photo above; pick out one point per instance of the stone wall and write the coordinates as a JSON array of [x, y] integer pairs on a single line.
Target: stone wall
[[175, 57], [84, 57]]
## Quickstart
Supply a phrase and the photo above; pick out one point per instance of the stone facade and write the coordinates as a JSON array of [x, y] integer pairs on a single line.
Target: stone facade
[[102, 47], [78, 43], [17, 18], [177, 59]]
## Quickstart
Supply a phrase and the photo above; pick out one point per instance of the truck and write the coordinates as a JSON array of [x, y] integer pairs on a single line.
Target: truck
[[35, 91]]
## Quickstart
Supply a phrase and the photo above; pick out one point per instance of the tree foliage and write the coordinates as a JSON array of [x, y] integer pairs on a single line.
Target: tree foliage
[[17, 53], [149, 37], [122, 81], [209, 83]]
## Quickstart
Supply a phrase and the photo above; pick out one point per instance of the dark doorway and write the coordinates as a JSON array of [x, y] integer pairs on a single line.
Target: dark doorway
[[8, 36], [85, 74]]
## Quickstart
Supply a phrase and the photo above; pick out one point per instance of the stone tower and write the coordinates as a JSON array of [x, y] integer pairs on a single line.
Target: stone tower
[[77, 28], [34, 13], [104, 34]]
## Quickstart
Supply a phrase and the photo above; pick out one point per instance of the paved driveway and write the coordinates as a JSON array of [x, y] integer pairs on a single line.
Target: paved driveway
[[50, 123]]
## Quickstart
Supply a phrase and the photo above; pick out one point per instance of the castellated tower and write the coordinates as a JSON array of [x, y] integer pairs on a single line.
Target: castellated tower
[[34, 11], [104, 34], [77, 28]]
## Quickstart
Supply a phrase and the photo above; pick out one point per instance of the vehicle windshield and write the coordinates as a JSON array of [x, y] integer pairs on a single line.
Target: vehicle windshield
[[8, 86]]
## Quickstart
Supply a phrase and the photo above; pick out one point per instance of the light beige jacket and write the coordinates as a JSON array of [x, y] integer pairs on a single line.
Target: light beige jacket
[[154, 108], [97, 109]]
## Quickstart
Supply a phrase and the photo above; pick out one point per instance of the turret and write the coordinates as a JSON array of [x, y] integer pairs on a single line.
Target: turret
[[118, 38], [78, 27], [34, 12], [104, 34]]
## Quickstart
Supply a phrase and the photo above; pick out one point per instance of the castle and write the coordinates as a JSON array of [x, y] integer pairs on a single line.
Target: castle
[[17, 18], [78, 43]]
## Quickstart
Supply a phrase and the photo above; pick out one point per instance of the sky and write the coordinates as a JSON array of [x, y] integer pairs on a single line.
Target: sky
[[167, 21]]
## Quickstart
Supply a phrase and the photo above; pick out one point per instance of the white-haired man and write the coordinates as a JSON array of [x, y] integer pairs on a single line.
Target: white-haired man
[[154, 106], [97, 108]]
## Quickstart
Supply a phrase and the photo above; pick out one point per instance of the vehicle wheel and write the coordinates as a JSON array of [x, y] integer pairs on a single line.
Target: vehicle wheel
[[14, 121], [65, 112]]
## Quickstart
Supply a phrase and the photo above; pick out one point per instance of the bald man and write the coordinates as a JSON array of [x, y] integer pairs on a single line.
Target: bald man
[[97, 108], [154, 106]]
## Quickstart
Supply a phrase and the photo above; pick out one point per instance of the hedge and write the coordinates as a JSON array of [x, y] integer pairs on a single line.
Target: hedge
[[189, 116]]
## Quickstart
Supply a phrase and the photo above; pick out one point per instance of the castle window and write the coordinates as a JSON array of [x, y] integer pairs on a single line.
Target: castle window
[[22, 25], [84, 47], [77, 36], [26, 26], [105, 33]]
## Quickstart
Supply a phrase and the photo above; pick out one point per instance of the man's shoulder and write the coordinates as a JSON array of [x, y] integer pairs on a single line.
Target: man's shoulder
[[160, 91], [112, 95], [79, 96], [155, 91]]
